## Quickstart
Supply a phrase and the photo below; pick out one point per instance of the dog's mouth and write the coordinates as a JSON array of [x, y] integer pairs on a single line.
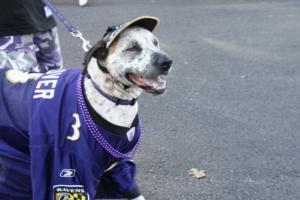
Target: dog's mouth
[[155, 85]]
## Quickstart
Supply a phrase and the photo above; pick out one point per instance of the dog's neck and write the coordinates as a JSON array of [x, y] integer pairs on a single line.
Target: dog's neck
[[120, 115]]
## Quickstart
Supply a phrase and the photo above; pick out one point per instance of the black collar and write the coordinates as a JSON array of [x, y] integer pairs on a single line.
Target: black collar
[[116, 100], [100, 121]]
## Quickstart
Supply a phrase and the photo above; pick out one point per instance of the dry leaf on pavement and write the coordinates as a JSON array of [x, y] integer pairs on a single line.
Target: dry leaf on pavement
[[194, 172]]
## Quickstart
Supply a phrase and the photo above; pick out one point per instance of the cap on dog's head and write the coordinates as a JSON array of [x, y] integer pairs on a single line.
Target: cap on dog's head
[[100, 49], [147, 22]]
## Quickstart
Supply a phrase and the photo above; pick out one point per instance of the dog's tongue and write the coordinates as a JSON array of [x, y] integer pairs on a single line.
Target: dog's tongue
[[149, 84], [156, 83]]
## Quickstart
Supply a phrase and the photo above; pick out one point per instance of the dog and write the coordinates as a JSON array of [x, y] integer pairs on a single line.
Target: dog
[[71, 134]]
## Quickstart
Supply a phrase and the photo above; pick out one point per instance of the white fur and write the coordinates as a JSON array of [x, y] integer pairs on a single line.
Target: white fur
[[121, 115], [141, 62]]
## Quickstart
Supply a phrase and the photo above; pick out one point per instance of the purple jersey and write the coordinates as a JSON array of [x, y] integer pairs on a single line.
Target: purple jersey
[[56, 157]]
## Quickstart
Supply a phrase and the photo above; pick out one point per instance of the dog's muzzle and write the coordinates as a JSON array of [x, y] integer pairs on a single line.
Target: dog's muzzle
[[154, 84]]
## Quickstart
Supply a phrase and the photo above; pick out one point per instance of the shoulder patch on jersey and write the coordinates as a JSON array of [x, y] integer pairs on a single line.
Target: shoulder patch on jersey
[[70, 192]]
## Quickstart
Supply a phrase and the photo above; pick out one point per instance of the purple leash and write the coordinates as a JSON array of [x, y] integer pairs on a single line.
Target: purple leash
[[74, 31], [92, 127]]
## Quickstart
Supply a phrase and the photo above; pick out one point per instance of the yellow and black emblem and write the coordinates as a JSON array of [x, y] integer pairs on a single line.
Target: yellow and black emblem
[[70, 192]]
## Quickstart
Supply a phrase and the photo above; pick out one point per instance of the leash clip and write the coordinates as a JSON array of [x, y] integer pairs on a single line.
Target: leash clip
[[86, 45]]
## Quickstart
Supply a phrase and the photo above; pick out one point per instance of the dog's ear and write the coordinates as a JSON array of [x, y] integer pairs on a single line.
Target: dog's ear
[[98, 51]]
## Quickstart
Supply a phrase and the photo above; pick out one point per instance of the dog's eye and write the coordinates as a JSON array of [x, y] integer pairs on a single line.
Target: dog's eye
[[135, 47], [155, 42]]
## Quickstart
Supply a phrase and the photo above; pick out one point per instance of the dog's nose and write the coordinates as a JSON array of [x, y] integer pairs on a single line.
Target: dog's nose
[[162, 61]]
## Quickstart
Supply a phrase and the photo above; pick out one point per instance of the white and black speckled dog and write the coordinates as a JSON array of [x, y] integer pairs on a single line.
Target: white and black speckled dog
[[71, 134], [133, 63]]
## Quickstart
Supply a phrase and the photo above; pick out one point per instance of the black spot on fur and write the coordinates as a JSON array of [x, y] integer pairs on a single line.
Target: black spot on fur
[[98, 51]]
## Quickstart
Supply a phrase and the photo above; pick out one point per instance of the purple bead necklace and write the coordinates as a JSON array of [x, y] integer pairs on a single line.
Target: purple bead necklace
[[95, 131]]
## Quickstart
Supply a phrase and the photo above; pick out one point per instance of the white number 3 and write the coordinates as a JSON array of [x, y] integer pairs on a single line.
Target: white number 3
[[76, 126]]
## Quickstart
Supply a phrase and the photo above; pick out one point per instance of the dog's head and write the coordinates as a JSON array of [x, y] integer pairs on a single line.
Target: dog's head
[[131, 54]]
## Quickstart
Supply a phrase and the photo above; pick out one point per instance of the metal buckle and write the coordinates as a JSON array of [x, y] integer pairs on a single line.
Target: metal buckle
[[85, 43]]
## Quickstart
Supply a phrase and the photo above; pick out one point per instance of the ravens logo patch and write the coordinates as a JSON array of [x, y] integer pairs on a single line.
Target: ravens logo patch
[[70, 192]]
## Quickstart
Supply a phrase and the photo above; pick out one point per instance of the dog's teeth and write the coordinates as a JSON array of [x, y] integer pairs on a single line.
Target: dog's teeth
[[150, 84], [156, 83]]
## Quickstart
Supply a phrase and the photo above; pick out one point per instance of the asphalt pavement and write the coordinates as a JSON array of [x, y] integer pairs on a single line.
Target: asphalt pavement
[[233, 102]]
